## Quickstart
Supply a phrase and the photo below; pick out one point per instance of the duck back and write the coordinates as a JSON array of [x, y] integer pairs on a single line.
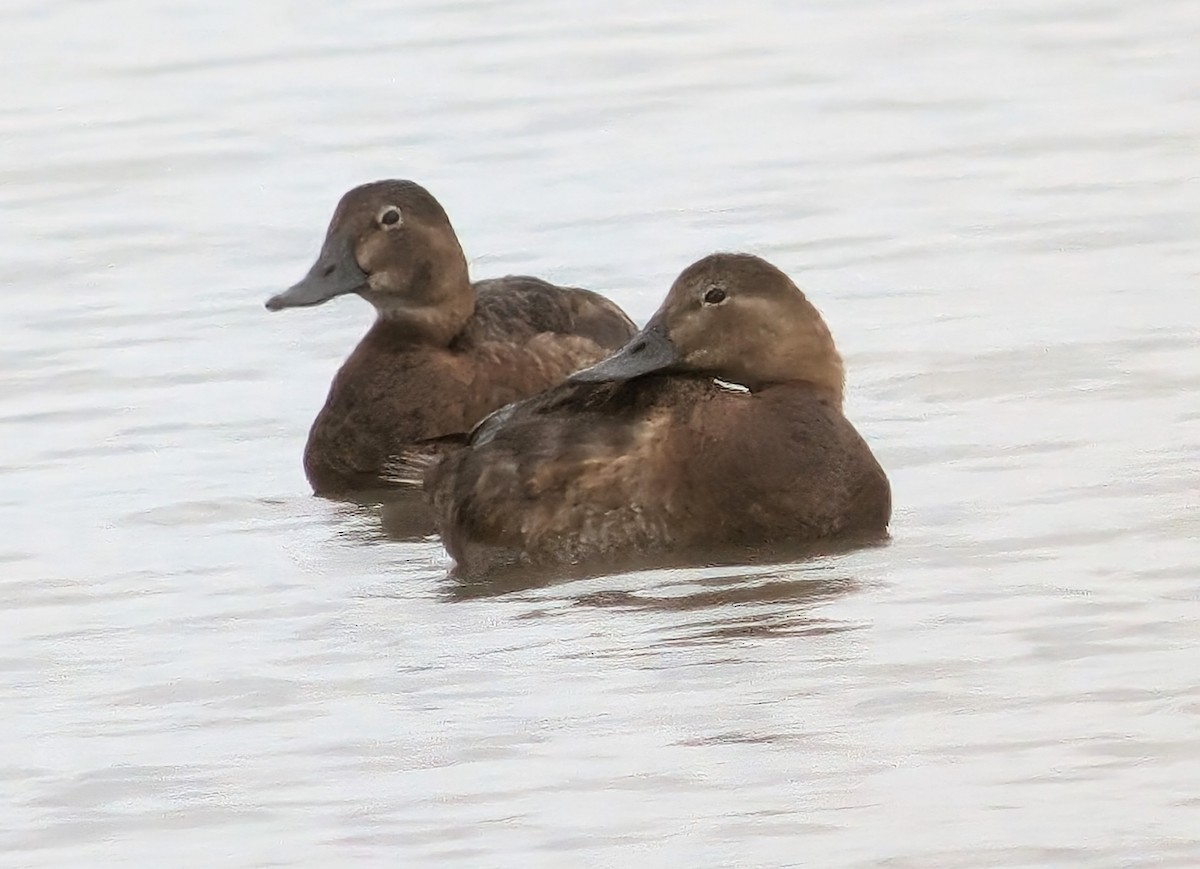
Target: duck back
[[520, 306], [395, 392], [655, 465]]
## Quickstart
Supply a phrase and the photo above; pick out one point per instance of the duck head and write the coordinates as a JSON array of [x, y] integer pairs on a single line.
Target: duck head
[[391, 243], [735, 317]]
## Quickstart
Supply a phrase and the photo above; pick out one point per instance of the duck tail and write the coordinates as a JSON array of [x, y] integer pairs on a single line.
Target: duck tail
[[407, 469], [410, 466]]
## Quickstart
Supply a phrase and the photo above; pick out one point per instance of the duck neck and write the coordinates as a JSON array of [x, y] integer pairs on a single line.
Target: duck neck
[[434, 308], [821, 367], [830, 381], [810, 357]]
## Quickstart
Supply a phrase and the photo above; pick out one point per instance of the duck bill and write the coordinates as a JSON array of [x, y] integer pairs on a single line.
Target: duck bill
[[335, 273], [650, 350]]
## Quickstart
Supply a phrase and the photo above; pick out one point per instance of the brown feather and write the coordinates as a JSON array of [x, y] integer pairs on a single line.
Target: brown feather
[[443, 353], [672, 461]]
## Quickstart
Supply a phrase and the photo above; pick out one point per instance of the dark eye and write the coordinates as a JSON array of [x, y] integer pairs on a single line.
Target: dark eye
[[715, 296], [390, 217]]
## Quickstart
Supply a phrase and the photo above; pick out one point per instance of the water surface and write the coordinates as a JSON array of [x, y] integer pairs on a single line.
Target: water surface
[[997, 211]]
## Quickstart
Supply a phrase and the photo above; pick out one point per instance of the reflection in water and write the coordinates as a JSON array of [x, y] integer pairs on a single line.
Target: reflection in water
[[693, 605], [406, 516], [738, 606], [749, 562]]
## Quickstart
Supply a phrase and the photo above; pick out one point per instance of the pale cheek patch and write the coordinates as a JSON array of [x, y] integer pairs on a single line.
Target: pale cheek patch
[[762, 311], [788, 331], [372, 256]]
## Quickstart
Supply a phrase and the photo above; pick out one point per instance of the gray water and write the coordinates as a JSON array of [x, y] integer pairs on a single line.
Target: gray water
[[996, 206]]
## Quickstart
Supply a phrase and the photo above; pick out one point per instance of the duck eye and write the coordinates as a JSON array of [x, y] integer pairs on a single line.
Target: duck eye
[[389, 217], [714, 296]]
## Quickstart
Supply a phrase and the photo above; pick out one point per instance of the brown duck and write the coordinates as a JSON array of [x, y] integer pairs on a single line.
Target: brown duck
[[443, 352], [649, 452]]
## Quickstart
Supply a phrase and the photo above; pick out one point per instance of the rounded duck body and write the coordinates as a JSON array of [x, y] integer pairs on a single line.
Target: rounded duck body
[[717, 427], [443, 352]]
